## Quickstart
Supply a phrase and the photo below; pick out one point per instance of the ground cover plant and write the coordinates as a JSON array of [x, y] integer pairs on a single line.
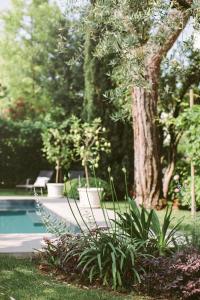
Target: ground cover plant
[[178, 275]]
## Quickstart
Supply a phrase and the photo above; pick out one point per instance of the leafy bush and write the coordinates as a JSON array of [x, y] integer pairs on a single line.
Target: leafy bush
[[185, 195], [71, 187], [51, 253], [54, 253], [178, 275], [144, 226], [56, 146], [20, 151], [107, 257], [99, 256], [89, 142], [113, 255]]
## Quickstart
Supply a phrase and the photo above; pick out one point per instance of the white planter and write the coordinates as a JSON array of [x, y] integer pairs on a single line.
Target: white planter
[[55, 190], [90, 197]]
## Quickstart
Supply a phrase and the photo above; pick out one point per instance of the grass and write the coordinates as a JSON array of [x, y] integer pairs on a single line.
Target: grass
[[14, 192], [20, 279], [17, 192]]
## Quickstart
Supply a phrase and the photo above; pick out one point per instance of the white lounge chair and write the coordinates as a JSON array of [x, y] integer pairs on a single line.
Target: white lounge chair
[[43, 178]]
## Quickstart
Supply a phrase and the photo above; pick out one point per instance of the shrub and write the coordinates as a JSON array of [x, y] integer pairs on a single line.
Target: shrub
[[144, 226], [107, 257], [178, 275], [114, 256], [20, 151], [71, 187], [56, 147], [185, 194], [53, 255], [89, 142]]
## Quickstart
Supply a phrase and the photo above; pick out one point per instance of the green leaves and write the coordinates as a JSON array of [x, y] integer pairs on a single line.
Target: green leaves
[[56, 142], [189, 123], [144, 226], [32, 65], [111, 258], [136, 223], [88, 141]]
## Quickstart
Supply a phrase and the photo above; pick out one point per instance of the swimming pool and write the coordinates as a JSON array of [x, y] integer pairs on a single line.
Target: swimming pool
[[20, 216]]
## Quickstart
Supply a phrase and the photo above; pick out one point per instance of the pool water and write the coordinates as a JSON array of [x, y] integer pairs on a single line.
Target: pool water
[[20, 216]]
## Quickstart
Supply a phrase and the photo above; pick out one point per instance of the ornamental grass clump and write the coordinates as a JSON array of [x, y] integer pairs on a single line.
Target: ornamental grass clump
[[145, 226], [108, 258]]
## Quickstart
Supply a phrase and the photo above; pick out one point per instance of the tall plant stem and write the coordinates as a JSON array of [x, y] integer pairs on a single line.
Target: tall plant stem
[[57, 171], [87, 175], [193, 200]]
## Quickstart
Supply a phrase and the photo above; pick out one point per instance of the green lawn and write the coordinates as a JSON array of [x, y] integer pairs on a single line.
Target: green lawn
[[21, 280], [17, 192], [177, 214], [14, 192]]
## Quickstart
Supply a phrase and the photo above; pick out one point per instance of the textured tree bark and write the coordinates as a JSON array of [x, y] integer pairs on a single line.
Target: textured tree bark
[[147, 173], [146, 149]]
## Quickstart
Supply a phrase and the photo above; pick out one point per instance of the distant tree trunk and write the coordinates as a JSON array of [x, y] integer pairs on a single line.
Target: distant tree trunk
[[146, 148], [174, 140], [169, 172], [191, 78]]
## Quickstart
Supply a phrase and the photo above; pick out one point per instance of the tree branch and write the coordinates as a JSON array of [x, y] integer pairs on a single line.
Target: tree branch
[[166, 35]]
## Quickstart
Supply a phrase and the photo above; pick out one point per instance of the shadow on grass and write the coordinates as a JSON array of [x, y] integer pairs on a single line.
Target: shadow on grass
[[20, 279]]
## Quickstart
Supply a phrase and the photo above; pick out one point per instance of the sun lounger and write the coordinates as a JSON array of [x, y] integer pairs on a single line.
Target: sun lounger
[[43, 178]]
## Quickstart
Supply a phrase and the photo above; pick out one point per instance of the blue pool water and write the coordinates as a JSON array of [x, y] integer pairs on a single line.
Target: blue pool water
[[20, 216]]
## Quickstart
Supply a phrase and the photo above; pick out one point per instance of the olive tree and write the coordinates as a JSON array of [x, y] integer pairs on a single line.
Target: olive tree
[[140, 33]]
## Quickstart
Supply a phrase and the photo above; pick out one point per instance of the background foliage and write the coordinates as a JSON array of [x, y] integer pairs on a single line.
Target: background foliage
[[20, 150]]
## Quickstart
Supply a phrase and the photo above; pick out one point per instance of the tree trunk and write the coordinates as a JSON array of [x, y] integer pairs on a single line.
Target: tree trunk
[[174, 140], [146, 149], [167, 177], [57, 171], [87, 175], [147, 173]]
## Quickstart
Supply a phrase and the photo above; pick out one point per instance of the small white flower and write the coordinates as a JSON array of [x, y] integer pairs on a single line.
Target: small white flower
[[176, 177], [124, 169]]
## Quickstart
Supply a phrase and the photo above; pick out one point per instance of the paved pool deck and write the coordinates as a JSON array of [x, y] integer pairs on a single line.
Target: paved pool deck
[[65, 210]]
